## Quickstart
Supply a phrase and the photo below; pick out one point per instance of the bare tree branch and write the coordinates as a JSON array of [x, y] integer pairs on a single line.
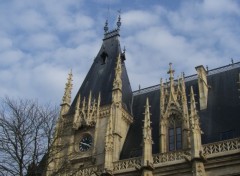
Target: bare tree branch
[[26, 130]]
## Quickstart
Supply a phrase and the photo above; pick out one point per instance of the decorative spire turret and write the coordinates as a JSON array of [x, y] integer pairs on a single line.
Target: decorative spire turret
[[147, 160], [117, 83], [68, 89], [66, 100], [193, 111], [196, 142], [147, 131]]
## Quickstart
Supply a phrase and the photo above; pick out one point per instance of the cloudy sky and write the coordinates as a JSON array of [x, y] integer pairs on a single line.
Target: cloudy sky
[[41, 40]]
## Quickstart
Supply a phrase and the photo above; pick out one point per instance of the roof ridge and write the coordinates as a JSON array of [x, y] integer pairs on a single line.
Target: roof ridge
[[189, 78]]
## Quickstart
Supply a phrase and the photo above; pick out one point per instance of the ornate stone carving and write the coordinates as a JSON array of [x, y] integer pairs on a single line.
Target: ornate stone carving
[[66, 100], [86, 113], [173, 110]]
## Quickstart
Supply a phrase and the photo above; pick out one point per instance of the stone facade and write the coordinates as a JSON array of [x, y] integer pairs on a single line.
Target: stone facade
[[93, 134]]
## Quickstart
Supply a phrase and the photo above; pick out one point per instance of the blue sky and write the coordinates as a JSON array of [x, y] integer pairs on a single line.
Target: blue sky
[[41, 40]]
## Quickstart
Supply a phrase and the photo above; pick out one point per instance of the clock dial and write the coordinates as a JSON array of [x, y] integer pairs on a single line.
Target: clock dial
[[85, 143]]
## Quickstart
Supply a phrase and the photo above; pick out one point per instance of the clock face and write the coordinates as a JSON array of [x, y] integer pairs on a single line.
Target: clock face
[[85, 143]]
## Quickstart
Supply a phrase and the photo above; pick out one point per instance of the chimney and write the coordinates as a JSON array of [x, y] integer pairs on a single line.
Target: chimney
[[202, 86]]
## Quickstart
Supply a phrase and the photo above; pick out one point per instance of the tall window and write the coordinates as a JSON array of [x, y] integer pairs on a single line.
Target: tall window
[[174, 134], [175, 138]]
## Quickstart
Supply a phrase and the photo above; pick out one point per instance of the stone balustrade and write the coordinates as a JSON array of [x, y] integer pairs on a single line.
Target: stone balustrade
[[127, 164], [221, 147]]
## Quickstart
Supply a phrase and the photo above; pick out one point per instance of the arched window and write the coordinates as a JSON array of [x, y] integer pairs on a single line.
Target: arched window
[[174, 133]]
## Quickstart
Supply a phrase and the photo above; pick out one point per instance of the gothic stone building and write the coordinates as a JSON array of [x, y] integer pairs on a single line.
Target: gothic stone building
[[186, 126]]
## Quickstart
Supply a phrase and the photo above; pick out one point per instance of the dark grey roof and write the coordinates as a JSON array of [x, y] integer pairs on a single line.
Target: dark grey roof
[[220, 120], [101, 74]]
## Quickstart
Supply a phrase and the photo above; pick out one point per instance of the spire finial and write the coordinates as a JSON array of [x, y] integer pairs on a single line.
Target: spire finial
[[119, 19], [68, 89], [171, 71], [106, 26]]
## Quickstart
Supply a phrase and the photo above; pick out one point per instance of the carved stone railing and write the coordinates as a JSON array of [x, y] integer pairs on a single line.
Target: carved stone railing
[[222, 147], [88, 171], [127, 164], [170, 156]]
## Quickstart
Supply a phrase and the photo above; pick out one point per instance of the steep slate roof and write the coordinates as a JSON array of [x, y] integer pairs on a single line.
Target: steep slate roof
[[222, 115], [101, 75]]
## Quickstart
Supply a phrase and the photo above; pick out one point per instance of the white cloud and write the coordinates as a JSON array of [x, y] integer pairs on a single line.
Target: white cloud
[[139, 19], [40, 41]]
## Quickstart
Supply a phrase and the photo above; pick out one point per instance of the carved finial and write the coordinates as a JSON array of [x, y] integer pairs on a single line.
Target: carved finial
[[119, 20], [68, 89], [106, 26], [194, 122], [171, 71], [171, 78]]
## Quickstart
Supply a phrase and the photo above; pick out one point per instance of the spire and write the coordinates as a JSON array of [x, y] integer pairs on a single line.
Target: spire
[[194, 127], [66, 100], [117, 83], [147, 160], [196, 142], [147, 132], [68, 89], [171, 73], [89, 104], [77, 121], [193, 110]]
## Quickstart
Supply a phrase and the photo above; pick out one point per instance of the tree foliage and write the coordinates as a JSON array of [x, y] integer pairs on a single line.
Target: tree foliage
[[26, 131]]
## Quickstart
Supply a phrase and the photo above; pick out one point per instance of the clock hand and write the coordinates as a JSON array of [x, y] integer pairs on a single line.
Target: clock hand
[[85, 144]]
